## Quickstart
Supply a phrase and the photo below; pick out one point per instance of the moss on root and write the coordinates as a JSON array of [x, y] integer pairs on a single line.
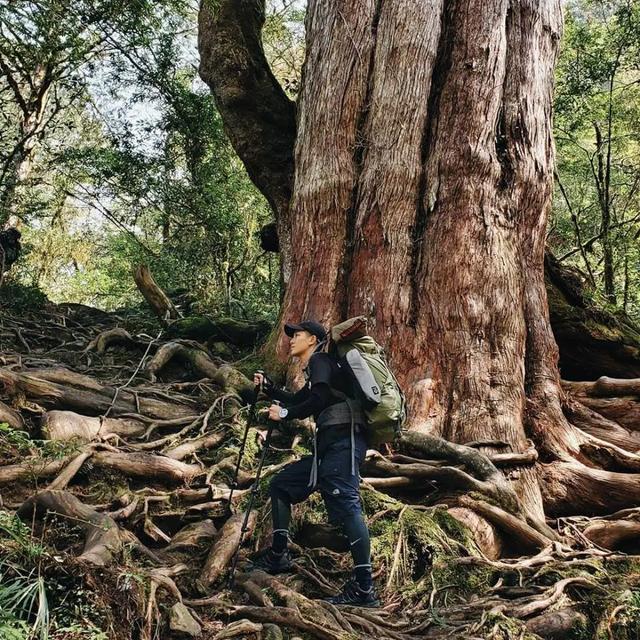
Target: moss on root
[[496, 626]]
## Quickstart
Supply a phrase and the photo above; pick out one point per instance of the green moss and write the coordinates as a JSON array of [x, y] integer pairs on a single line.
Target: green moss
[[419, 547], [500, 627]]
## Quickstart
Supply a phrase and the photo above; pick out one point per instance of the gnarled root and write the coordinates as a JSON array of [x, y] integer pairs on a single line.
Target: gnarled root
[[102, 541], [67, 425], [223, 548]]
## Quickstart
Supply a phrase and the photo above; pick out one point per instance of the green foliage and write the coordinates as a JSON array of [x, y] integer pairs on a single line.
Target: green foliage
[[144, 175], [39, 598], [21, 298], [16, 444], [596, 216], [24, 607]]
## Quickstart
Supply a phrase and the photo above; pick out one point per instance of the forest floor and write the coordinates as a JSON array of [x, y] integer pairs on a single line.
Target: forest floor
[[118, 442]]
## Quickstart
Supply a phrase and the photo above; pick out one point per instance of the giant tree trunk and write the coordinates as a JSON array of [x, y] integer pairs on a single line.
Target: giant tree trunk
[[424, 152], [423, 179]]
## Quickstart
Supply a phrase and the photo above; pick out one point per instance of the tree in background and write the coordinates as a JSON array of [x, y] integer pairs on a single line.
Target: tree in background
[[597, 205], [138, 169], [47, 47]]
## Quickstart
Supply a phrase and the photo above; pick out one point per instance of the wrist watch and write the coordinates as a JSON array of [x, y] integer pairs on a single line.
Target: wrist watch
[[283, 413]]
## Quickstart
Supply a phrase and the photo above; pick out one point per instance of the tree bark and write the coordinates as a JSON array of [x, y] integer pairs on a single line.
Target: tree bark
[[421, 153], [423, 180], [257, 115], [261, 123], [102, 536], [154, 295]]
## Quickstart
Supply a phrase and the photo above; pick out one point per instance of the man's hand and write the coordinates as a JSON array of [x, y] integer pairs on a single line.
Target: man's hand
[[266, 384], [274, 412]]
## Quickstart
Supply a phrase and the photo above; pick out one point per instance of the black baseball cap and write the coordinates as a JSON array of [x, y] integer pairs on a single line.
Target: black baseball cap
[[314, 328]]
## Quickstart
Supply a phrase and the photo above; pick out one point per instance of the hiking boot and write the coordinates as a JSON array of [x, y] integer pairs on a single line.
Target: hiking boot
[[354, 596], [270, 561]]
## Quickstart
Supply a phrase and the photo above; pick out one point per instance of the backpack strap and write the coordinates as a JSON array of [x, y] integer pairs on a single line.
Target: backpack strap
[[352, 410]]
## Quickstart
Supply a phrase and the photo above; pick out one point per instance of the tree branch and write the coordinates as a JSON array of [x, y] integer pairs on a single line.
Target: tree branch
[[257, 115]]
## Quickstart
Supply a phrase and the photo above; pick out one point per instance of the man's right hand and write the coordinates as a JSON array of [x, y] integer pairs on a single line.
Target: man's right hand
[[265, 383]]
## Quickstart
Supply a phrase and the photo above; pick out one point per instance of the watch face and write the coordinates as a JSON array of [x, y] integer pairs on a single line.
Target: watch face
[[283, 412]]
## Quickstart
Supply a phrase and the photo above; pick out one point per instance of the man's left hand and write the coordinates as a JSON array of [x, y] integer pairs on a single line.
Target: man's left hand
[[274, 412]]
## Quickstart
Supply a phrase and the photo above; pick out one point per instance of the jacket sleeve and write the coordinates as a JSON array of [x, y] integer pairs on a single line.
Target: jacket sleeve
[[286, 397], [317, 400], [319, 397]]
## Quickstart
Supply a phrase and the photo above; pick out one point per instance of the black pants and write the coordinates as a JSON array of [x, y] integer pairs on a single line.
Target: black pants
[[340, 489]]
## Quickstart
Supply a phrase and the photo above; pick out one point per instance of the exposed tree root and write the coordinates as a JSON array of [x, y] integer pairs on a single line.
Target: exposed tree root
[[157, 468], [102, 541], [223, 548], [41, 388], [67, 425], [528, 536], [105, 339], [11, 417]]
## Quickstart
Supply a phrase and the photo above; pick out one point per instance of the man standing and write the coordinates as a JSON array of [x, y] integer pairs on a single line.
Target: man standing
[[339, 449]]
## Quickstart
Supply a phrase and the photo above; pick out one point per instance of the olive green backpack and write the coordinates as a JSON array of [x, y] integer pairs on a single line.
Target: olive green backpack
[[382, 399]]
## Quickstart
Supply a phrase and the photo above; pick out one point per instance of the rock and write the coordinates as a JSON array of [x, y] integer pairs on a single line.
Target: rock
[[181, 621]]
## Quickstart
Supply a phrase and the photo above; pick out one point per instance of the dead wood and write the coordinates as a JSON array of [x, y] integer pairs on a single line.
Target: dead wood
[[105, 339], [67, 425], [223, 548], [146, 466], [41, 387], [154, 295], [11, 417]]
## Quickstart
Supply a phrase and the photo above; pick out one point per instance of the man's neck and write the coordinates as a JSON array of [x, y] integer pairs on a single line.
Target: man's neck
[[306, 356]]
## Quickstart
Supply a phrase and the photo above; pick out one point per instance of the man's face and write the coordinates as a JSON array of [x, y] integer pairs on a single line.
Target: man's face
[[300, 342]]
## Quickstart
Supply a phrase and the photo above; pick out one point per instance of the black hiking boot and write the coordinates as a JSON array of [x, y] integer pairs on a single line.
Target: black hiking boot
[[354, 596], [270, 561]]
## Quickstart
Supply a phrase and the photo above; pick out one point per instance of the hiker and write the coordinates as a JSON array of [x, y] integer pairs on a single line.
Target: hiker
[[339, 450]]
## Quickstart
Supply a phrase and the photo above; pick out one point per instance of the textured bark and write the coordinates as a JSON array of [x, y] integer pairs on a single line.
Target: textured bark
[[423, 180], [66, 425], [424, 156], [570, 488], [223, 548], [60, 387], [257, 115], [11, 416], [557, 625]]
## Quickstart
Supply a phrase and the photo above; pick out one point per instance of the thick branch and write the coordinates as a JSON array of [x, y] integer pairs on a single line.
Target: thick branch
[[257, 115]]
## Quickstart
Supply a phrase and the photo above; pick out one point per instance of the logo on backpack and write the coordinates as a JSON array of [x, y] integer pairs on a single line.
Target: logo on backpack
[[382, 399]]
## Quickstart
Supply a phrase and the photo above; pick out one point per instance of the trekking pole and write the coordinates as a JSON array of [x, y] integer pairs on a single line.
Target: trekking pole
[[252, 496], [251, 418]]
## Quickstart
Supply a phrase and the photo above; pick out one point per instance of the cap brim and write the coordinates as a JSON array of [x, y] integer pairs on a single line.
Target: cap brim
[[290, 329]]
